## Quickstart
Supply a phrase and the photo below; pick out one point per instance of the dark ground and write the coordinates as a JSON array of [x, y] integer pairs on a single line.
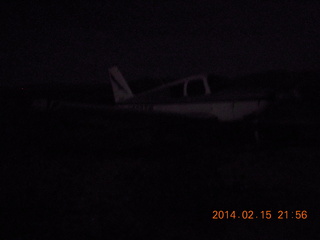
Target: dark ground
[[63, 178]]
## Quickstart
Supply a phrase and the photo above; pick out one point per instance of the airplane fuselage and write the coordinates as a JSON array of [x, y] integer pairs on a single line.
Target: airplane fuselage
[[197, 96], [200, 97], [222, 111]]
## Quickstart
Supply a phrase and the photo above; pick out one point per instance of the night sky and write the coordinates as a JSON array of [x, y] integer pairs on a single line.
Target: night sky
[[76, 42]]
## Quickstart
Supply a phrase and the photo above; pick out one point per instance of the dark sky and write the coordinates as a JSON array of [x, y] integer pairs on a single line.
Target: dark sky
[[76, 42]]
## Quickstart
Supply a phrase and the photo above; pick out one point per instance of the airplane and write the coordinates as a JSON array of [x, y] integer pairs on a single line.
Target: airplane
[[200, 96], [204, 96]]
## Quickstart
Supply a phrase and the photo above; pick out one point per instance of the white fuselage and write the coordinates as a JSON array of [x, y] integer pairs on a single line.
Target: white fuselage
[[221, 110]]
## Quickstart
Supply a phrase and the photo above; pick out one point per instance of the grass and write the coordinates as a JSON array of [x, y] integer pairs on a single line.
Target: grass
[[63, 179]]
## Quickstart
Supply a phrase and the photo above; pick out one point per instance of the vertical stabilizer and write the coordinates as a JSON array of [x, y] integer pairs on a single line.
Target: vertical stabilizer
[[121, 90]]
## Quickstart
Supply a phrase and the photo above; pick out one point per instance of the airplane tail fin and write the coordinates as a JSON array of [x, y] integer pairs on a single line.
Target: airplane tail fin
[[121, 90]]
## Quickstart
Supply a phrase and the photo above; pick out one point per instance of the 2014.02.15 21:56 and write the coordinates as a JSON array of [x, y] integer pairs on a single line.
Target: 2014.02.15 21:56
[[250, 214]]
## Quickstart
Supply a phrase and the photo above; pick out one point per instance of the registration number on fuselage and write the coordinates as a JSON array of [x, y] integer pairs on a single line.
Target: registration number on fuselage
[[142, 107]]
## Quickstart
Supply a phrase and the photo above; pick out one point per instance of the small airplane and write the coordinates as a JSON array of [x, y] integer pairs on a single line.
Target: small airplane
[[204, 96], [198, 96], [201, 96]]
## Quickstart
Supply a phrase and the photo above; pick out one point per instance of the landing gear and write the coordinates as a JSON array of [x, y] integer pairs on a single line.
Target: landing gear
[[257, 133]]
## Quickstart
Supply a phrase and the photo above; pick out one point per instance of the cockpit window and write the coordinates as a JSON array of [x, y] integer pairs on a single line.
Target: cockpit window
[[217, 83], [196, 88]]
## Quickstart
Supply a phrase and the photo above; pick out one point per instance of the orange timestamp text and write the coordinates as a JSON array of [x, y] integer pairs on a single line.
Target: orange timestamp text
[[267, 214]]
